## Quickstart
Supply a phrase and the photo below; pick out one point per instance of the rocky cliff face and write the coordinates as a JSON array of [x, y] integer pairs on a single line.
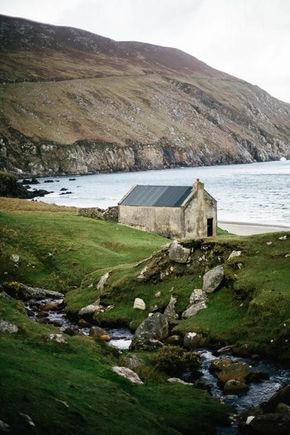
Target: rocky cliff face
[[75, 102]]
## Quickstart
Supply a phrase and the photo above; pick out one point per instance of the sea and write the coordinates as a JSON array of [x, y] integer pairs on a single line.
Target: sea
[[250, 193]]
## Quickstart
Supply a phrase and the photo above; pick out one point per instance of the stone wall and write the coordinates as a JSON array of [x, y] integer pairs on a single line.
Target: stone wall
[[110, 214]]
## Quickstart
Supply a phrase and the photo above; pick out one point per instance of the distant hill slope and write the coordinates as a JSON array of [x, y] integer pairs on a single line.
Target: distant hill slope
[[75, 102]]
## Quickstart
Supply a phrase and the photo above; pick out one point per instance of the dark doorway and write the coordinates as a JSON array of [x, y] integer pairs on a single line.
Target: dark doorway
[[210, 227]]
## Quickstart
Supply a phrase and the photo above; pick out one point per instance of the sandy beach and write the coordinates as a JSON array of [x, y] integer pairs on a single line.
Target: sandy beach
[[247, 229]]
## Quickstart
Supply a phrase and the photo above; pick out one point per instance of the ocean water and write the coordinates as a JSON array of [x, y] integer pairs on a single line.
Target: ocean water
[[251, 193]]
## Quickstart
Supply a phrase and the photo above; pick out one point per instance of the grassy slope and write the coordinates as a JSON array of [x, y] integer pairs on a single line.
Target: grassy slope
[[252, 308], [58, 248], [36, 374]]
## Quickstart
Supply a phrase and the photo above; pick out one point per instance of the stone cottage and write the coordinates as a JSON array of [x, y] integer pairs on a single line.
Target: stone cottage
[[172, 211]]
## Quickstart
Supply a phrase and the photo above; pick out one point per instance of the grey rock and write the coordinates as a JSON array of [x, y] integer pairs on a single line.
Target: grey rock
[[196, 296], [234, 254], [193, 309], [25, 292], [154, 326], [127, 373], [103, 280], [169, 311], [139, 304], [178, 253], [212, 279], [91, 308], [6, 326]]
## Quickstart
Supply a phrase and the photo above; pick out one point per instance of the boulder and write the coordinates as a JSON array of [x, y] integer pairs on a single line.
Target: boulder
[[192, 340], [153, 329], [25, 292], [169, 311], [212, 279], [193, 309], [139, 304], [91, 309], [178, 253], [233, 386], [196, 296], [127, 373], [155, 326], [99, 333], [9, 327], [103, 280]]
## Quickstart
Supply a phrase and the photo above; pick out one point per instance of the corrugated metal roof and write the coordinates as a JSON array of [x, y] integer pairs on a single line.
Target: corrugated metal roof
[[157, 196]]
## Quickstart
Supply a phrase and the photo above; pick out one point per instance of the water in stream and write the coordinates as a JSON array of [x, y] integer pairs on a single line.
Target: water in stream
[[121, 339]]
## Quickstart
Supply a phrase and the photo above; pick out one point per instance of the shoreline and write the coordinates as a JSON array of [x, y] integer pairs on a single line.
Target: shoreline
[[248, 229]]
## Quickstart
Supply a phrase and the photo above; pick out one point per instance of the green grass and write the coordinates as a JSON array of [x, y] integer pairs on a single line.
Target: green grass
[[57, 249], [252, 308]]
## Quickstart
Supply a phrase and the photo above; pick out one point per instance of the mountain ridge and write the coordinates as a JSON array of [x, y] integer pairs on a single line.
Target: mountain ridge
[[74, 103]]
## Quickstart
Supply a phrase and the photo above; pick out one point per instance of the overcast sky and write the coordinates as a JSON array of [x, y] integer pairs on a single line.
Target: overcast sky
[[247, 38]]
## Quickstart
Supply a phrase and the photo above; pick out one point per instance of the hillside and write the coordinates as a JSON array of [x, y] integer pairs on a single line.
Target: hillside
[[72, 387], [75, 102]]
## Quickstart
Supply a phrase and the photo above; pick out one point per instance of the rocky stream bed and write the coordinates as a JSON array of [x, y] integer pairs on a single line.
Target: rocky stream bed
[[267, 377]]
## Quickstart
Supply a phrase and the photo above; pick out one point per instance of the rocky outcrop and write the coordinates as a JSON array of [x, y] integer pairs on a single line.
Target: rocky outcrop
[[166, 116], [9, 187], [25, 292]]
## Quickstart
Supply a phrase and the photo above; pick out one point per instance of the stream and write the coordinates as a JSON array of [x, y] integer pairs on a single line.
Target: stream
[[258, 392]]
